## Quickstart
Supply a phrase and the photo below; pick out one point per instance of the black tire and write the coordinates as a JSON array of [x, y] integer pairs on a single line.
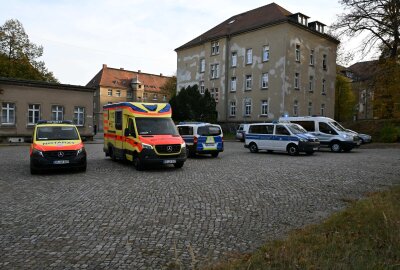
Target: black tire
[[215, 154], [336, 147], [179, 164], [83, 168], [253, 148], [34, 171], [138, 164], [293, 150], [310, 153], [111, 152]]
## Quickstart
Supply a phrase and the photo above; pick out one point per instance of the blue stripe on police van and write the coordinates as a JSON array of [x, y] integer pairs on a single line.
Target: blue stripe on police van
[[271, 137]]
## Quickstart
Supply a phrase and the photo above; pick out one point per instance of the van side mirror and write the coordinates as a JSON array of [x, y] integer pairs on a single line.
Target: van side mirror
[[127, 133]]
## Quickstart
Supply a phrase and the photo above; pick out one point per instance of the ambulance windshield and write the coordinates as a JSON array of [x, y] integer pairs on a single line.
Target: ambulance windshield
[[156, 126], [56, 133]]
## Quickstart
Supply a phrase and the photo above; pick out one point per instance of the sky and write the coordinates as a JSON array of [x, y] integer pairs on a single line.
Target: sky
[[79, 36]]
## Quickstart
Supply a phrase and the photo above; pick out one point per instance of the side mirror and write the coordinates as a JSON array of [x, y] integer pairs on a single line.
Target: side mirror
[[126, 132]]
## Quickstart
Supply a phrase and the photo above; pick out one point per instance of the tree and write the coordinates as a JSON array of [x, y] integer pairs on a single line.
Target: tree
[[170, 86], [190, 105], [18, 56], [344, 99], [379, 19]]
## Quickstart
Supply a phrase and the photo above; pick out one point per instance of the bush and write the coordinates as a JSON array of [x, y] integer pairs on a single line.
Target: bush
[[389, 133]]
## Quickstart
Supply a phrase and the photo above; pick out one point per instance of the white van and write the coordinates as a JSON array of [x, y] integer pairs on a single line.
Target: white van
[[241, 131], [287, 137], [329, 132]]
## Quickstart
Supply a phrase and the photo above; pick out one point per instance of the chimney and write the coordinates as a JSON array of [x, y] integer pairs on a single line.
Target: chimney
[[121, 68], [104, 66], [139, 71], [160, 74]]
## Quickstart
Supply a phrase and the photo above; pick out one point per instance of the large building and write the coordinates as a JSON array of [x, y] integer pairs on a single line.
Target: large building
[[119, 85], [24, 102], [261, 64]]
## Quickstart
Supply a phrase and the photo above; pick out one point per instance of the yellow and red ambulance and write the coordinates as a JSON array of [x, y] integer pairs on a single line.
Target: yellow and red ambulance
[[143, 133], [56, 145]]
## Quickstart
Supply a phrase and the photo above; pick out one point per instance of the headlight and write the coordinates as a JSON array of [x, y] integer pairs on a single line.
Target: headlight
[[36, 152], [147, 146], [303, 140], [80, 151], [183, 145], [347, 136]]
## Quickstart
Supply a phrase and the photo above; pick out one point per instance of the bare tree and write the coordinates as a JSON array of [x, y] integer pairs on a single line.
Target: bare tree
[[379, 19]]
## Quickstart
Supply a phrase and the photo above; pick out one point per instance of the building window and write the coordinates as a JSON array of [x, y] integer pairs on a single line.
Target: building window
[[264, 81], [57, 113], [323, 87], [215, 48], [109, 92], [232, 109], [164, 98], [155, 97], [214, 71], [129, 94], [311, 84], [233, 84], [247, 107], [265, 55], [234, 59], [324, 61], [322, 109], [311, 57], [264, 107], [144, 96], [118, 93], [297, 53], [8, 113], [249, 56], [214, 94], [309, 108], [33, 114], [202, 88], [295, 108], [296, 80], [202, 65], [248, 82], [79, 116]]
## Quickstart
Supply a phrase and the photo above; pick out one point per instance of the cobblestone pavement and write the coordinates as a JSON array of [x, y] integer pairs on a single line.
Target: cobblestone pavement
[[113, 217]]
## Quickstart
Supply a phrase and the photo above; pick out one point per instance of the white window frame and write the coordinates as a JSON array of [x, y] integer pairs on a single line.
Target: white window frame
[[164, 97], [312, 56], [129, 94], [234, 59], [214, 71], [323, 91], [8, 113], [297, 80], [264, 107], [265, 53], [118, 93], [323, 109], [309, 108], [297, 53], [295, 108], [233, 84], [247, 107], [248, 82], [202, 87], [79, 116], [311, 84], [264, 80], [232, 108], [33, 113], [109, 92], [324, 61], [214, 47], [144, 96], [202, 65], [155, 97], [249, 56], [58, 112]]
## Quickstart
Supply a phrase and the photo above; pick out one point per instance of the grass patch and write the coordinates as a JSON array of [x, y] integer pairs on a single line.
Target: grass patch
[[364, 236]]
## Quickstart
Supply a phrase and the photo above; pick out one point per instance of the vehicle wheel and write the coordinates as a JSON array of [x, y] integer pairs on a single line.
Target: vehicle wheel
[[83, 168], [293, 150], [34, 171], [179, 164], [215, 154], [189, 153], [112, 153], [310, 153], [336, 147], [138, 164], [253, 148]]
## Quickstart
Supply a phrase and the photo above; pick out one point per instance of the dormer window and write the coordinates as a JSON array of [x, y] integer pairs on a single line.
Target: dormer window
[[317, 26], [300, 18]]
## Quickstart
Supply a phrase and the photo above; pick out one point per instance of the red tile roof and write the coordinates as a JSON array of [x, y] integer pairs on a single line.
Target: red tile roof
[[121, 78], [247, 21]]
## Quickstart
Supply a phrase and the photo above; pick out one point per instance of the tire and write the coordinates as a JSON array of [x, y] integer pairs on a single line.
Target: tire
[[215, 154], [253, 148], [336, 147], [34, 171], [112, 153], [179, 164], [293, 150], [83, 168], [309, 153], [138, 164]]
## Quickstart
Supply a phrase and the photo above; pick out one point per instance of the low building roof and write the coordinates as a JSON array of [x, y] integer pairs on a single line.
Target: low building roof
[[42, 84]]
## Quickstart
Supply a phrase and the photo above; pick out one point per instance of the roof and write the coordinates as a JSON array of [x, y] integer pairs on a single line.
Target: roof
[[43, 84], [364, 70], [251, 20], [121, 78]]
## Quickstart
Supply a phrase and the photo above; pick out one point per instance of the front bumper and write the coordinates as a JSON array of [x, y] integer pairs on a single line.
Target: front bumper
[[45, 162], [149, 156], [308, 146]]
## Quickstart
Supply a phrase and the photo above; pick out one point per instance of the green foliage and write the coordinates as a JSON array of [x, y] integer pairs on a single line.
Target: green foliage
[[190, 105], [344, 99], [18, 56], [389, 133], [170, 86]]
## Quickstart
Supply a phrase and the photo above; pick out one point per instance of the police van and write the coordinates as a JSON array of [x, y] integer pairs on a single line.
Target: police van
[[202, 138], [286, 137], [329, 132]]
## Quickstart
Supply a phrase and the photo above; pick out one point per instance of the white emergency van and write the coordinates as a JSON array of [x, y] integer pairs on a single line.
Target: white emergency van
[[287, 137], [329, 132]]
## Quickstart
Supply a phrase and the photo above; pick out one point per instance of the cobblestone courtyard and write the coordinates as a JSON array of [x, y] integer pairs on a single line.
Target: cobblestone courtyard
[[114, 217]]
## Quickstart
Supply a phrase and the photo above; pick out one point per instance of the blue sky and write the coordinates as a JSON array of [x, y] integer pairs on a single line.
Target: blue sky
[[79, 36]]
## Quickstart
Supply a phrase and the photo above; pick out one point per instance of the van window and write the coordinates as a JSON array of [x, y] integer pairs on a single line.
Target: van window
[[118, 120], [307, 125], [209, 131], [281, 130], [338, 126], [325, 128], [262, 129], [156, 126], [185, 130]]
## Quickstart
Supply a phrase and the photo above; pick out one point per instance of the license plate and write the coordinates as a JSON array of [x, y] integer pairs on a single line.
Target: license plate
[[170, 161], [60, 161], [315, 148], [210, 144]]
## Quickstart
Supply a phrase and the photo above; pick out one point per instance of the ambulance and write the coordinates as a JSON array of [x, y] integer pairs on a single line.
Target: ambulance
[[56, 145], [142, 133]]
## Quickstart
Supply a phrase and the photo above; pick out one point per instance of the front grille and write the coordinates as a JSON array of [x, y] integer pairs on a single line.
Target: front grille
[[168, 148], [58, 155], [356, 138], [313, 140]]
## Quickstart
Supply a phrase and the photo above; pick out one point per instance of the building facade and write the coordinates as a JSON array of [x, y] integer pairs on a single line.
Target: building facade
[[262, 64], [24, 102], [118, 85]]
